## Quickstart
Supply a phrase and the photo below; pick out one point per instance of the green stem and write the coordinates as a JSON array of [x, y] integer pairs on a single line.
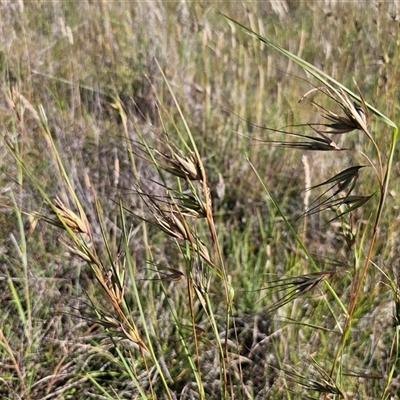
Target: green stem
[[355, 297]]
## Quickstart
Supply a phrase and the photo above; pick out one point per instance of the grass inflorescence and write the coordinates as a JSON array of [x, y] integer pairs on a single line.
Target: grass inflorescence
[[199, 200]]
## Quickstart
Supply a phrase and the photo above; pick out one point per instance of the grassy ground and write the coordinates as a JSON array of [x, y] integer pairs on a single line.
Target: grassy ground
[[167, 268]]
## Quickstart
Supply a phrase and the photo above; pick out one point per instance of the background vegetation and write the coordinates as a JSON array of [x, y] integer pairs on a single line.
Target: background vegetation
[[148, 290]]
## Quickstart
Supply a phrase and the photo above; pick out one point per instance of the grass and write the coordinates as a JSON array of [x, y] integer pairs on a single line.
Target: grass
[[158, 237]]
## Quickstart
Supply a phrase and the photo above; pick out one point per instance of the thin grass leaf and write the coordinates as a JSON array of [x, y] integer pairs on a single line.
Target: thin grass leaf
[[321, 76], [4, 343], [297, 238], [134, 289]]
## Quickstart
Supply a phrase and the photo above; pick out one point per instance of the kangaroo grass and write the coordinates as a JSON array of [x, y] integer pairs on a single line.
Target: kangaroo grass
[[172, 213], [180, 210], [110, 278], [296, 287], [354, 117], [129, 186]]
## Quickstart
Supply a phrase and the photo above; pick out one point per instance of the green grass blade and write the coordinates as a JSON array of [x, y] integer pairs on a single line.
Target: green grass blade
[[297, 238]]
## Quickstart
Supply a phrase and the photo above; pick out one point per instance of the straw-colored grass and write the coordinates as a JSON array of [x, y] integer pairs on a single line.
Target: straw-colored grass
[[199, 200]]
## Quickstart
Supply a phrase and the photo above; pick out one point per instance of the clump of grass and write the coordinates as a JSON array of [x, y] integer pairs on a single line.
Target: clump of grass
[[356, 117], [147, 257]]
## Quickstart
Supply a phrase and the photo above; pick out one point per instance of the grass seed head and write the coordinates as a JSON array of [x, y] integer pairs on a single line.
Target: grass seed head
[[68, 218], [182, 166]]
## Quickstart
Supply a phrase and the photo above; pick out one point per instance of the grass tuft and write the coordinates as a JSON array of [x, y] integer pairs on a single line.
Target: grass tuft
[[199, 204]]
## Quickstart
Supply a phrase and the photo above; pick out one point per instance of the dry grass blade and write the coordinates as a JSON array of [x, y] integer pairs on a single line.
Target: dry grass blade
[[14, 362], [110, 279]]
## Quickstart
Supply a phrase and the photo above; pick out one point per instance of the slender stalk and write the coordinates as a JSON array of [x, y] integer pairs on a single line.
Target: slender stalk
[[360, 281]]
